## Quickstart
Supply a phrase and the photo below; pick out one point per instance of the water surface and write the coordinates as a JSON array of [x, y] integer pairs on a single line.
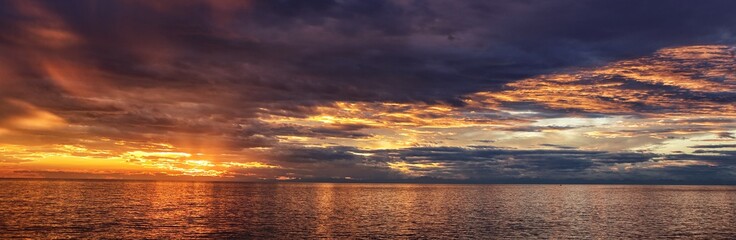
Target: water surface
[[131, 209]]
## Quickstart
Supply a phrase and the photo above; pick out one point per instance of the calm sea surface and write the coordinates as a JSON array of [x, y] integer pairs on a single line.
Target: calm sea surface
[[119, 209]]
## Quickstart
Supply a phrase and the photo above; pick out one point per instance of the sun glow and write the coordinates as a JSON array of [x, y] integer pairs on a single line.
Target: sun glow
[[414, 169]]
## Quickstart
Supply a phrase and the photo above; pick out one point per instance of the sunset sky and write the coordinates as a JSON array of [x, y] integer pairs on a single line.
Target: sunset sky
[[342, 90]]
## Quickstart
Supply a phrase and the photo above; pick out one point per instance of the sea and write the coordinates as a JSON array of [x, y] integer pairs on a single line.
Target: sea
[[100, 209]]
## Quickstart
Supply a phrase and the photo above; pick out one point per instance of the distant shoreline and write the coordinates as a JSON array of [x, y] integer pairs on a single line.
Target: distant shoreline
[[438, 182]]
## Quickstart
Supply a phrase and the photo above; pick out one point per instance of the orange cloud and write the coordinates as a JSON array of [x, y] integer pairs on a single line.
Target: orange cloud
[[20, 115]]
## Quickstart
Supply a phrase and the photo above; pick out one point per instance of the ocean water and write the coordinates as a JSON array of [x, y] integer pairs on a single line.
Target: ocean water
[[134, 210]]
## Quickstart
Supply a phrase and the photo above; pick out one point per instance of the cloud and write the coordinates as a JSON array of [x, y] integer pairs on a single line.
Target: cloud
[[715, 146], [695, 80], [369, 89], [726, 135], [348, 50], [491, 164], [19, 115], [12, 160], [557, 146]]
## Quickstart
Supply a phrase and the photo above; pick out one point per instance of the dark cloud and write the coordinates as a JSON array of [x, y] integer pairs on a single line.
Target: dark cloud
[[715, 146], [382, 50], [311, 155], [539, 128], [722, 159], [491, 164], [557, 146], [726, 135], [332, 130]]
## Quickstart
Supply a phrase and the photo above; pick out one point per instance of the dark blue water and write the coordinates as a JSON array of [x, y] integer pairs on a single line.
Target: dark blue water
[[120, 209]]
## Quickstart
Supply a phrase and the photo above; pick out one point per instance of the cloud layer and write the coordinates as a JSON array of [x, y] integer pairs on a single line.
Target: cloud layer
[[502, 91]]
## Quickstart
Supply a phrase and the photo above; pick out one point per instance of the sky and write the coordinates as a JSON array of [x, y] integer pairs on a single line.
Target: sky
[[548, 91]]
